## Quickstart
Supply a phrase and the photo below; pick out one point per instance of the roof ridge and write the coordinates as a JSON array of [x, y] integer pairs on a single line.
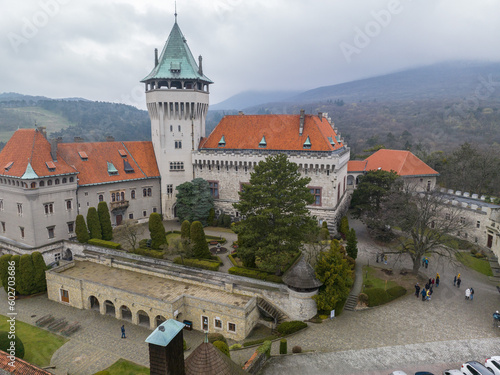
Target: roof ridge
[[138, 166], [32, 147], [404, 161]]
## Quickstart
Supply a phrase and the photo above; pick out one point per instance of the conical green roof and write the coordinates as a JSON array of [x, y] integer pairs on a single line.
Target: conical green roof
[[176, 60]]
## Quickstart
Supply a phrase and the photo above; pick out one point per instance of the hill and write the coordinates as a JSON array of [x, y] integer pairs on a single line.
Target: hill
[[252, 98]]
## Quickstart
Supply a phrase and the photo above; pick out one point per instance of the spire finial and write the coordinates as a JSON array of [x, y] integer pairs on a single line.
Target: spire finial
[[175, 14]]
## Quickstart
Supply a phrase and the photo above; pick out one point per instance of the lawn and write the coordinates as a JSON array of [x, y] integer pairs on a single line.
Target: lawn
[[372, 279], [124, 367], [39, 345], [479, 265]]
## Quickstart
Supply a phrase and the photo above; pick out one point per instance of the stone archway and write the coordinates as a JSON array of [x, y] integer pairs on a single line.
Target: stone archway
[[126, 313], [350, 180], [109, 308], [94, 303], [143, 318], [159, 319], [68, 255]]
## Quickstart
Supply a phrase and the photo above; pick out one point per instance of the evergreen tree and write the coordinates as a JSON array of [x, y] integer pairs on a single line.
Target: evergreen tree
[[16, 258], [211, 217], [105, 221], [335, 272], [157, 231], [39, 275], [93, 224], [82, 233], [4, 269], [352, 244], [199, 242], [25, 281], [194, 201], [274, 205], [344, 226], [185, 230]]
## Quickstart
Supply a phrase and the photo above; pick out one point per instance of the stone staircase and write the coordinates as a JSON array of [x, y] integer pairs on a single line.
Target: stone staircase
[[269, 310], [351, 302]]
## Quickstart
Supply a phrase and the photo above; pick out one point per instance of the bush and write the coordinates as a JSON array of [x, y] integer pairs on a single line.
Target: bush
[[254, 274], [259, 341], [396, 291], [222, 346], [211, 216], [226, 221], [149, 253], [82, 233], [25, 283], [363, 298], [473, 251], [213, 337], [4, 269], [40, 268], [283, 346], [157, 231], [144, 243], [93, 223], [378, 296], [235, 346], [103, 372], [287, 328], [324, 234], [344, 226], [185, 230], [265, 348], [296, 349], [323, 317], [199, 242], [199, 263], [103, 243], [105, 221], [184, 345], [5, 344]]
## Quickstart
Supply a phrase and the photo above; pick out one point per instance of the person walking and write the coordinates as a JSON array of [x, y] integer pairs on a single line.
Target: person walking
[[467, 293], [417, 290], [123, 332], [459, 281], [428, 295], [426, 262], [437, 280], [432, 282], [455, 281], [471, 294], [423, 293]]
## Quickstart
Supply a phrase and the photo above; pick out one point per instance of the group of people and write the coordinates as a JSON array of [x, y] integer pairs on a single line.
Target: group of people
[[457, 281], [469, 294], [427, 290]]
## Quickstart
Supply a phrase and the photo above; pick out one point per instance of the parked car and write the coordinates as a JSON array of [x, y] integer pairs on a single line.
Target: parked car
[[493, 364], [474, 368], [452, 372]]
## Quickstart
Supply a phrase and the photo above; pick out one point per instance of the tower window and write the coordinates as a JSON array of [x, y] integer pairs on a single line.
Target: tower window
[[316, 192], [171, 128], [214, 188], [178, 144]]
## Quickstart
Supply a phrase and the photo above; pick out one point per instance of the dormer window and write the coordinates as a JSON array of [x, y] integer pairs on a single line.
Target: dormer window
[[330, 139], [122, 153], [337, 138], [112, 171], [8, 165], [127, 167], [50, 166], [83, 155], [263, 143], [307, 143], [222, 142], [175, 67]]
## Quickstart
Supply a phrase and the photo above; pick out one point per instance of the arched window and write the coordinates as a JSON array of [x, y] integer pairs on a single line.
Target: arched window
[[71, 179], [149, 192], [64, 180], [33, 185], [101, 197], [49, 183], [57, 181], [17, 183], [122, 195], [144, 192], [132, 194], [113, 198], [42, 183]]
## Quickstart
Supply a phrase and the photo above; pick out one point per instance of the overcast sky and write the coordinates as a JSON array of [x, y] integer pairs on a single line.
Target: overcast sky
[[101, 49]]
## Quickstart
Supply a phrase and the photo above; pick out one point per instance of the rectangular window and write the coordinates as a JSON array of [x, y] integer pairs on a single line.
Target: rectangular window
[[231, 327], [154, 209], [214, 188], [50, 232], [22, 232], [71, 227], [144, 213], [69, 204], [64, 296], [49, 208], [178, 144], [57, 257], [1, 204], [176, 166], [20, 209], [130, 216], [218, 323], [316, 192], [170, 189], [86, 193], [478, 224], [204, 323], [3, 226]]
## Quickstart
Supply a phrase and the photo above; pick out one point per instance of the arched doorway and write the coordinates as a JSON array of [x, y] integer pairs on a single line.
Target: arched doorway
[[350, 180], [143, 318], [94, 303], [68, 255], [109, 308], [126, 313], [159, 320], [174, 210]]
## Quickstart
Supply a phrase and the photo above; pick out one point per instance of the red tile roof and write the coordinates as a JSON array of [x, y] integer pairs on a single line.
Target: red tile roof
[[356, 165], [94, 170], [30, 146], [20, 366], [404, 163], [245, 132]]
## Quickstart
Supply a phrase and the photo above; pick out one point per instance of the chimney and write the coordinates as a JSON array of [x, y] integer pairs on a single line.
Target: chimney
[[240, 113], [53, 148], [200, 66], [43, 130], [78, 139], [110, 138], [156, 57], [302, 117], [166, 353], [320, 115]]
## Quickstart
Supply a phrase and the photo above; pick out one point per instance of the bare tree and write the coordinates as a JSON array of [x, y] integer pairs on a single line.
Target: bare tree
[[181, 247], [128, 232]]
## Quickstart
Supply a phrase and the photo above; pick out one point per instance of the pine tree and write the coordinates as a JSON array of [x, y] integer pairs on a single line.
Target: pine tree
[[352, 244], [211, 217], [199, 242], [26, 282], [194, 201], [4, 269], [185, 230], [157, 231], [39, 276], [82, 233], [93, 224], [105, 221], [344, 226]]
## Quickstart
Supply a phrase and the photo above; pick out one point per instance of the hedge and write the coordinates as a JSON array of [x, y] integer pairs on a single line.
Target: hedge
[[265, 348], [287, 328], [103, 243], [213, 337], [379, 296], [149, 253], [396, 291], [255, 274], [283, 346], [260, 341], [205, 264], [222, 346]]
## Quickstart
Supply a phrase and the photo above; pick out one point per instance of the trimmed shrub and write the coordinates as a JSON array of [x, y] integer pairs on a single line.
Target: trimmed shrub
[[103, 243], [363, 298], [323, 317], [235, 346], [157, 231], [40, 268], [185, 230], [254, 274], [259, 341], [376, 296], [324, 234], [149, 253], [4, 269], [199, 242], [324, 225], [93, 223], [287, 328], [184, 345], [105, 221], [222, 346], [283, 346], [24, 279], [5, 344], [396, 291], [296, 349], [344, 226], [82, 233], [211, 216], [265, 348], [213, 337], [199, 263]]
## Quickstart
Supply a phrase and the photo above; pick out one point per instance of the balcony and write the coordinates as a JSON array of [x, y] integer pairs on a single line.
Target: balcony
[[121, 205]]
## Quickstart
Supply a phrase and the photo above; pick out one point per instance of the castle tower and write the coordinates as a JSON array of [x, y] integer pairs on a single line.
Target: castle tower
[[177, 95]]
